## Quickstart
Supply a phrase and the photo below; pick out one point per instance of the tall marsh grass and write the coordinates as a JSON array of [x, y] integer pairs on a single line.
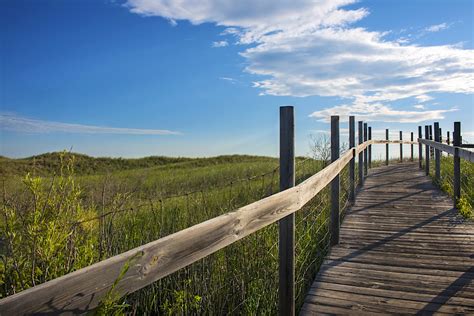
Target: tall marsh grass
[[57, 224]]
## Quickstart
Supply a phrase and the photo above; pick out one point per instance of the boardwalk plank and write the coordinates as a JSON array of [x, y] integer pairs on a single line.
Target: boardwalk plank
[[403, 250]]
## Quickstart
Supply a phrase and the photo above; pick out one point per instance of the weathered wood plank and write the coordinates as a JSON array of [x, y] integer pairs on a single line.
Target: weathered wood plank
[[335, 183], [416, 300], [403, 249], [463, 153], [406, 295], [397, 282], [337, 264], [286, 236], [352, 162], [373, 304]]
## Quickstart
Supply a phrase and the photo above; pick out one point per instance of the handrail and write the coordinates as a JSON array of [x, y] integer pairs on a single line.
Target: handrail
[[463, 153], [383, 141], [83, 289]]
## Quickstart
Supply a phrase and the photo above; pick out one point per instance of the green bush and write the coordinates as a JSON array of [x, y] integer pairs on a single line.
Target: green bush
[[40, 243]]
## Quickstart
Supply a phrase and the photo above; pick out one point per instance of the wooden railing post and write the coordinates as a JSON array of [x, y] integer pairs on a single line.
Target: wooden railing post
[[366, 167], [441, 137], [431, 138], [361, 155], [420, 148], [386, 148], [287, 224], [457, 163], [401, 147], [352, 163], [370, 147], [447, 139], [411, 147], [437, 154], [335, 182], [427, 151]]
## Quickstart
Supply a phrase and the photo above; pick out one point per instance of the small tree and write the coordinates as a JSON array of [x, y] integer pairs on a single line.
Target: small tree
[[320, 146]]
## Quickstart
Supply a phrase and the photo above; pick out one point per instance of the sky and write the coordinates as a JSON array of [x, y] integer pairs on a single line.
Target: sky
[[136, 78]]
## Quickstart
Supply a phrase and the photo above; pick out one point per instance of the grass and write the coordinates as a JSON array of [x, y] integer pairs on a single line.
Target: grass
[[60, 218], [49, 163], [65, 219], [466, 202]]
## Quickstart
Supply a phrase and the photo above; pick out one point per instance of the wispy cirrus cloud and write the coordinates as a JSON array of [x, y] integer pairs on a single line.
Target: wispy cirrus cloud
[[228, 79], [12, 122], [379, 112], [437, 27], [220, 44], [376, 133], [304, 48]]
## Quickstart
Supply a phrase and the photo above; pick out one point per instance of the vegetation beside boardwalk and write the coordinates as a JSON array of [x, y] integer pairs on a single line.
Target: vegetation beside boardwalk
[[66, 219], [59, 218], [466, 203]]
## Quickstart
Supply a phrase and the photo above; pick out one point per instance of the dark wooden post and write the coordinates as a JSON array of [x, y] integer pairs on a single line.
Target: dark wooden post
[[287, 224], [401, 147], [457, 163], [370, 147], [366, 170], [420, 148], [431, 138], [335, 182], [411, 147], [361, 155], [447, 139], [427, 150], [386, 147], [441, 136], [352, 162], [437, 153]]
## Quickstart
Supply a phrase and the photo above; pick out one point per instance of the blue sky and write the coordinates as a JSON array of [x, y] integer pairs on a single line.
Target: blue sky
[[155, 77]]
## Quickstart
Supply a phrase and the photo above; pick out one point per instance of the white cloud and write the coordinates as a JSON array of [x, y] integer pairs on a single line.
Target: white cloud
[[11, 122], [342, 131], [231, 80], [376, 133], [468, 137], [423, 98], [172, 22], [378, 112], [220, 44], [419, 106], [437, 27], [306, 47]]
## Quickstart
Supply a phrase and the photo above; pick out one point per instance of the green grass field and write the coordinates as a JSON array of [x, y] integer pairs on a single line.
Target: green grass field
[[61, 217]]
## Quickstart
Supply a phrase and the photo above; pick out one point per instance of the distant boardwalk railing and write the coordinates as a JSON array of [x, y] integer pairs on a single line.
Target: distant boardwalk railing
[[83, 290]]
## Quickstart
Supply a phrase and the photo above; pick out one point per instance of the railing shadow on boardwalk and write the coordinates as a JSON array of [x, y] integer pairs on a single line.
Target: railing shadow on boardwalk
[[443, 297], [385, 240], [332, 285]]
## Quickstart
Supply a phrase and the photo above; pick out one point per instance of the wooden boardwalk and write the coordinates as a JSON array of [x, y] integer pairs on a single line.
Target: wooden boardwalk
[[403, 250]]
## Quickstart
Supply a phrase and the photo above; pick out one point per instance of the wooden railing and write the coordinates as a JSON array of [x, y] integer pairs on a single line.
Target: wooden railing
[[457, 150], [83, 290]]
